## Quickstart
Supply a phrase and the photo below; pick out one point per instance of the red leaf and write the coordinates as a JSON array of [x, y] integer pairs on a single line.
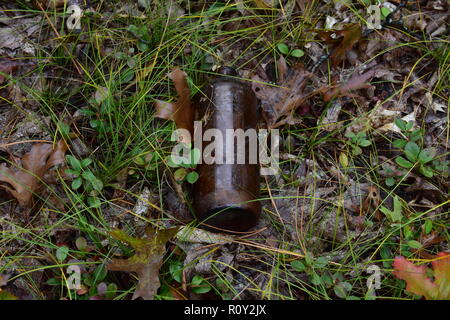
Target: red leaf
[[416, 280], [441, 267]]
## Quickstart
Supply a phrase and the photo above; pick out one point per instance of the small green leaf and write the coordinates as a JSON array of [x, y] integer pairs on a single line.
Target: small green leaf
[[100, 273], [297, 53], [342, 289], [415, 135], [64, 128], [94, 202], [407, 232], [412, 151], [139, 161], [97, 184], [200, 285], [142, 46], [192, 177], [197, 280], [111, 291], [176, 270], [283, 48], [72, 172], [365, 143], [86, 162], [315, 279], [384, 12], [414, 244], [403, 162], [53, 282], [309, 259], [77, 183], [409, 125], [390, 181], [396, 214], [81, 243], [74, 163], [297, 265], [343, 159], [320, 262], [356, 150], [360, 135], [180, 174], [427, 155], [88, 175], [401, 124], [399, 143], [426, 171], [350, 135], [428, 226], [61, 253]]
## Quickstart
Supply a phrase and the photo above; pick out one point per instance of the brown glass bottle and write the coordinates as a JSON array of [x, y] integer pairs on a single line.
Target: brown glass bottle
[[225, 195]]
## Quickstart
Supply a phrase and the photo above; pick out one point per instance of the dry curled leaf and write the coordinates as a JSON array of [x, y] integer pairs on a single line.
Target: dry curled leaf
[[417, 281], [357, 81], [343, 41], [146, 261], [279, 102], [23, 182], [181, 111]]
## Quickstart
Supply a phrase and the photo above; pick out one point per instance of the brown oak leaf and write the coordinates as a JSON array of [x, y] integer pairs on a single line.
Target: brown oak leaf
[[22, 182], [146, 261], [343, 41], [181, 111]]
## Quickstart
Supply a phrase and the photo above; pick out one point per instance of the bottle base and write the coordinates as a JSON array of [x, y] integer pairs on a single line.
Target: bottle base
[[228, 220]]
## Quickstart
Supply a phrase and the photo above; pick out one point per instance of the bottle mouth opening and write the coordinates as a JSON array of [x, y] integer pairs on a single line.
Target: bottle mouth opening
[[228, 220]]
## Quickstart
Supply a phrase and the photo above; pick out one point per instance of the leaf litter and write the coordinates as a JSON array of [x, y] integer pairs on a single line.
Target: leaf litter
[[319, 203], [24, 179]]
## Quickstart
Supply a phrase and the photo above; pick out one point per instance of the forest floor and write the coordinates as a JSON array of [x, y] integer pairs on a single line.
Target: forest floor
[[91, 208]]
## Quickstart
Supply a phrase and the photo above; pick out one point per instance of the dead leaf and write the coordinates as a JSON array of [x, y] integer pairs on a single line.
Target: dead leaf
[[7, 66], [146, 261], [342, 40], [23, 182], [357, 81], [330, 121], [181, 112], [279, 102], [282, 68], [4, 279], [417, 281], [372, 202]]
